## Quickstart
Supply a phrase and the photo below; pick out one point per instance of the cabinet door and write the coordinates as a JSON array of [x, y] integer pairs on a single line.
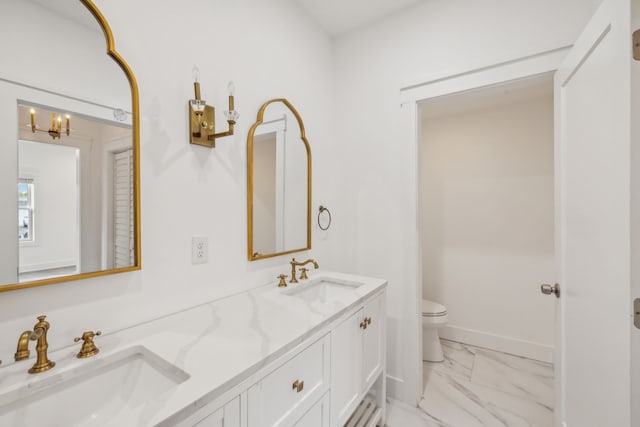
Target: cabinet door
[[227, 416], [373, 339], [213, 420], [318, 415], [346, 368]]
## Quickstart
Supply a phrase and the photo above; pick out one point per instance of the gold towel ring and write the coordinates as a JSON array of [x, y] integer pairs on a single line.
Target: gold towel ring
[[320, 211]]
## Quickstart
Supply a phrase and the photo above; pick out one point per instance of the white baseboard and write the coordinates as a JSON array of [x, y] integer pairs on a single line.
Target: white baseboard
[[47, 265], [509, 345], [395, 387]]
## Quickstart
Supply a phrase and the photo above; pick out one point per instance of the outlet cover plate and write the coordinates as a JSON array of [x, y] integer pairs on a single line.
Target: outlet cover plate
[[199, 250]]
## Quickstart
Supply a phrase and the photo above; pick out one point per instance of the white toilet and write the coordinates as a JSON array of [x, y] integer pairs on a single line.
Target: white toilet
[[434, 315]]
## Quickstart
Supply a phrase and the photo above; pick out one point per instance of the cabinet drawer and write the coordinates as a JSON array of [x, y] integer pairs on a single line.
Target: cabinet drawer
[[285, 394]]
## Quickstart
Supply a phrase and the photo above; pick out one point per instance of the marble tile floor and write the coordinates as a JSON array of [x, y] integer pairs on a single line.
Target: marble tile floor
[[476, 387]]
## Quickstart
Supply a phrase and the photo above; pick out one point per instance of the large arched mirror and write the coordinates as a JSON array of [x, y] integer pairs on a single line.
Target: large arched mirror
[[70, 146], [279, 182]]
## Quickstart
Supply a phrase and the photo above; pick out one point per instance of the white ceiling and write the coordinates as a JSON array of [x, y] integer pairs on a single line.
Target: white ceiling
[[341, 16]]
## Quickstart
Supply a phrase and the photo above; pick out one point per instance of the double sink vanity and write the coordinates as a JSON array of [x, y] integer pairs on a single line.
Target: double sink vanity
[[302, 355]]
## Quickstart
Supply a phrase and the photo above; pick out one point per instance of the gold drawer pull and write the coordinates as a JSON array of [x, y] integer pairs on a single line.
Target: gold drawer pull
[[363, 324], [298, 386]]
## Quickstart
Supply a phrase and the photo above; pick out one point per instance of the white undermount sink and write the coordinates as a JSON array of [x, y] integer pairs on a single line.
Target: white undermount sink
[[323, 290], [98, 392]]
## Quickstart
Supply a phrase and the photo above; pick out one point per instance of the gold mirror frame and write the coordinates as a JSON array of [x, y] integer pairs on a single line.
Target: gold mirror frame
[[260, 120], [135, 128]]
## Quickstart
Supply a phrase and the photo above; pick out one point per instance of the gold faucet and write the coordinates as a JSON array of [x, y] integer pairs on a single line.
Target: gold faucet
[[39, 333], [295, 264]]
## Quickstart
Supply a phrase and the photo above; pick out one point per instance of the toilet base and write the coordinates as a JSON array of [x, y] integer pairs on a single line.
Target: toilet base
[[431, 347]]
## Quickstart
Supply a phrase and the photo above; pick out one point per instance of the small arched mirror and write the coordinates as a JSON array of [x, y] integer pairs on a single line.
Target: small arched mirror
[[69, 115], [279, 182]]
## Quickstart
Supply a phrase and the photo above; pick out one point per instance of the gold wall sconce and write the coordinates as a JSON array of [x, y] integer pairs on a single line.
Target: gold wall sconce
[[55, 131], [202, 117]]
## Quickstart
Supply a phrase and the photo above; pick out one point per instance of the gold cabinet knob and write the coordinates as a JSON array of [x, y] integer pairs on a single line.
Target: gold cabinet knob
[[368, 320], [298, 386], [282, 283], [363, 324]]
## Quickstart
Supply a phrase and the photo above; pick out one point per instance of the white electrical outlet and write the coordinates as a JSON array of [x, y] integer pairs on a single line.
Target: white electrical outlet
[[199, 249]]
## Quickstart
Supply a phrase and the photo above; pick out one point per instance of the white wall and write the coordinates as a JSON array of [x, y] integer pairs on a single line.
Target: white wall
[[270, 49], [486, 190], [435, 39]]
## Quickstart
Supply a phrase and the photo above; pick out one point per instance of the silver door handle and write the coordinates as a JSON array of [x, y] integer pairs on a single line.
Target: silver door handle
[[550, 289]]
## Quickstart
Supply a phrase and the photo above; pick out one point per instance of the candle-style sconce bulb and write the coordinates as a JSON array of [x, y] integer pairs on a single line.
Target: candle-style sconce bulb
[[231, 87], [195, 71]]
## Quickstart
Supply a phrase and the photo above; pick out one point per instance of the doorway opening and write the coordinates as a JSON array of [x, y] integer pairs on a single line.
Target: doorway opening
[[486, 220]]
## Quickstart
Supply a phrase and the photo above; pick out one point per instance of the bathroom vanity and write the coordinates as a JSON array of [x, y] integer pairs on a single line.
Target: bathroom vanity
[[305, 355]]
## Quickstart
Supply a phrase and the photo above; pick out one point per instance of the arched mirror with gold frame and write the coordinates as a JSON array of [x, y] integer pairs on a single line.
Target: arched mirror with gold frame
[[279, 182], [74, 154]]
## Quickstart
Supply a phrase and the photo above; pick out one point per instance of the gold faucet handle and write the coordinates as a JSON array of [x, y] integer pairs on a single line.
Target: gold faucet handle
[[303, 273], [88, 346], [282, 283]]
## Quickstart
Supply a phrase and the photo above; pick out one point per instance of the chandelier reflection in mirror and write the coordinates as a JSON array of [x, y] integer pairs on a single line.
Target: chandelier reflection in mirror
[[55, 131], [202, 118]]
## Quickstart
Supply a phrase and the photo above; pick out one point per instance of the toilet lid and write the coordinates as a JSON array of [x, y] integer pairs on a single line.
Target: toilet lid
[[430, 308]]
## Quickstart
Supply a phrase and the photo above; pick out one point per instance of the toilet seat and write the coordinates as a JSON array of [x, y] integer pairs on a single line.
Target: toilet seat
[[433, 309]]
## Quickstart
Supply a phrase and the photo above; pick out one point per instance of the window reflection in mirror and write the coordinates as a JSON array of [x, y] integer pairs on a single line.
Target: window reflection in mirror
[[25, 209]]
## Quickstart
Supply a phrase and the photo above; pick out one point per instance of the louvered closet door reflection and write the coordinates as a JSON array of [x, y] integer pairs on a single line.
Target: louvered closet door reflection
[[123, 209]]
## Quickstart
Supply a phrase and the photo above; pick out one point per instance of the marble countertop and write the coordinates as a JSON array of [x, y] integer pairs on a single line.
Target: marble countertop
[[218, 344]]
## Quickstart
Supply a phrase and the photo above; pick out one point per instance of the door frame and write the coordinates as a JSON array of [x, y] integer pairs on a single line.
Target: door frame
[[410, 97]]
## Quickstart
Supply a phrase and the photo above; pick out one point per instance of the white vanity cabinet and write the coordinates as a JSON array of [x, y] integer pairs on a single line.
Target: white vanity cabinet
[[356, 359], [320, 382]]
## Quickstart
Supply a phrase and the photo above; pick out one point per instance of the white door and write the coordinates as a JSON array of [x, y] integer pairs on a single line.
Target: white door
[[593, 220]]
